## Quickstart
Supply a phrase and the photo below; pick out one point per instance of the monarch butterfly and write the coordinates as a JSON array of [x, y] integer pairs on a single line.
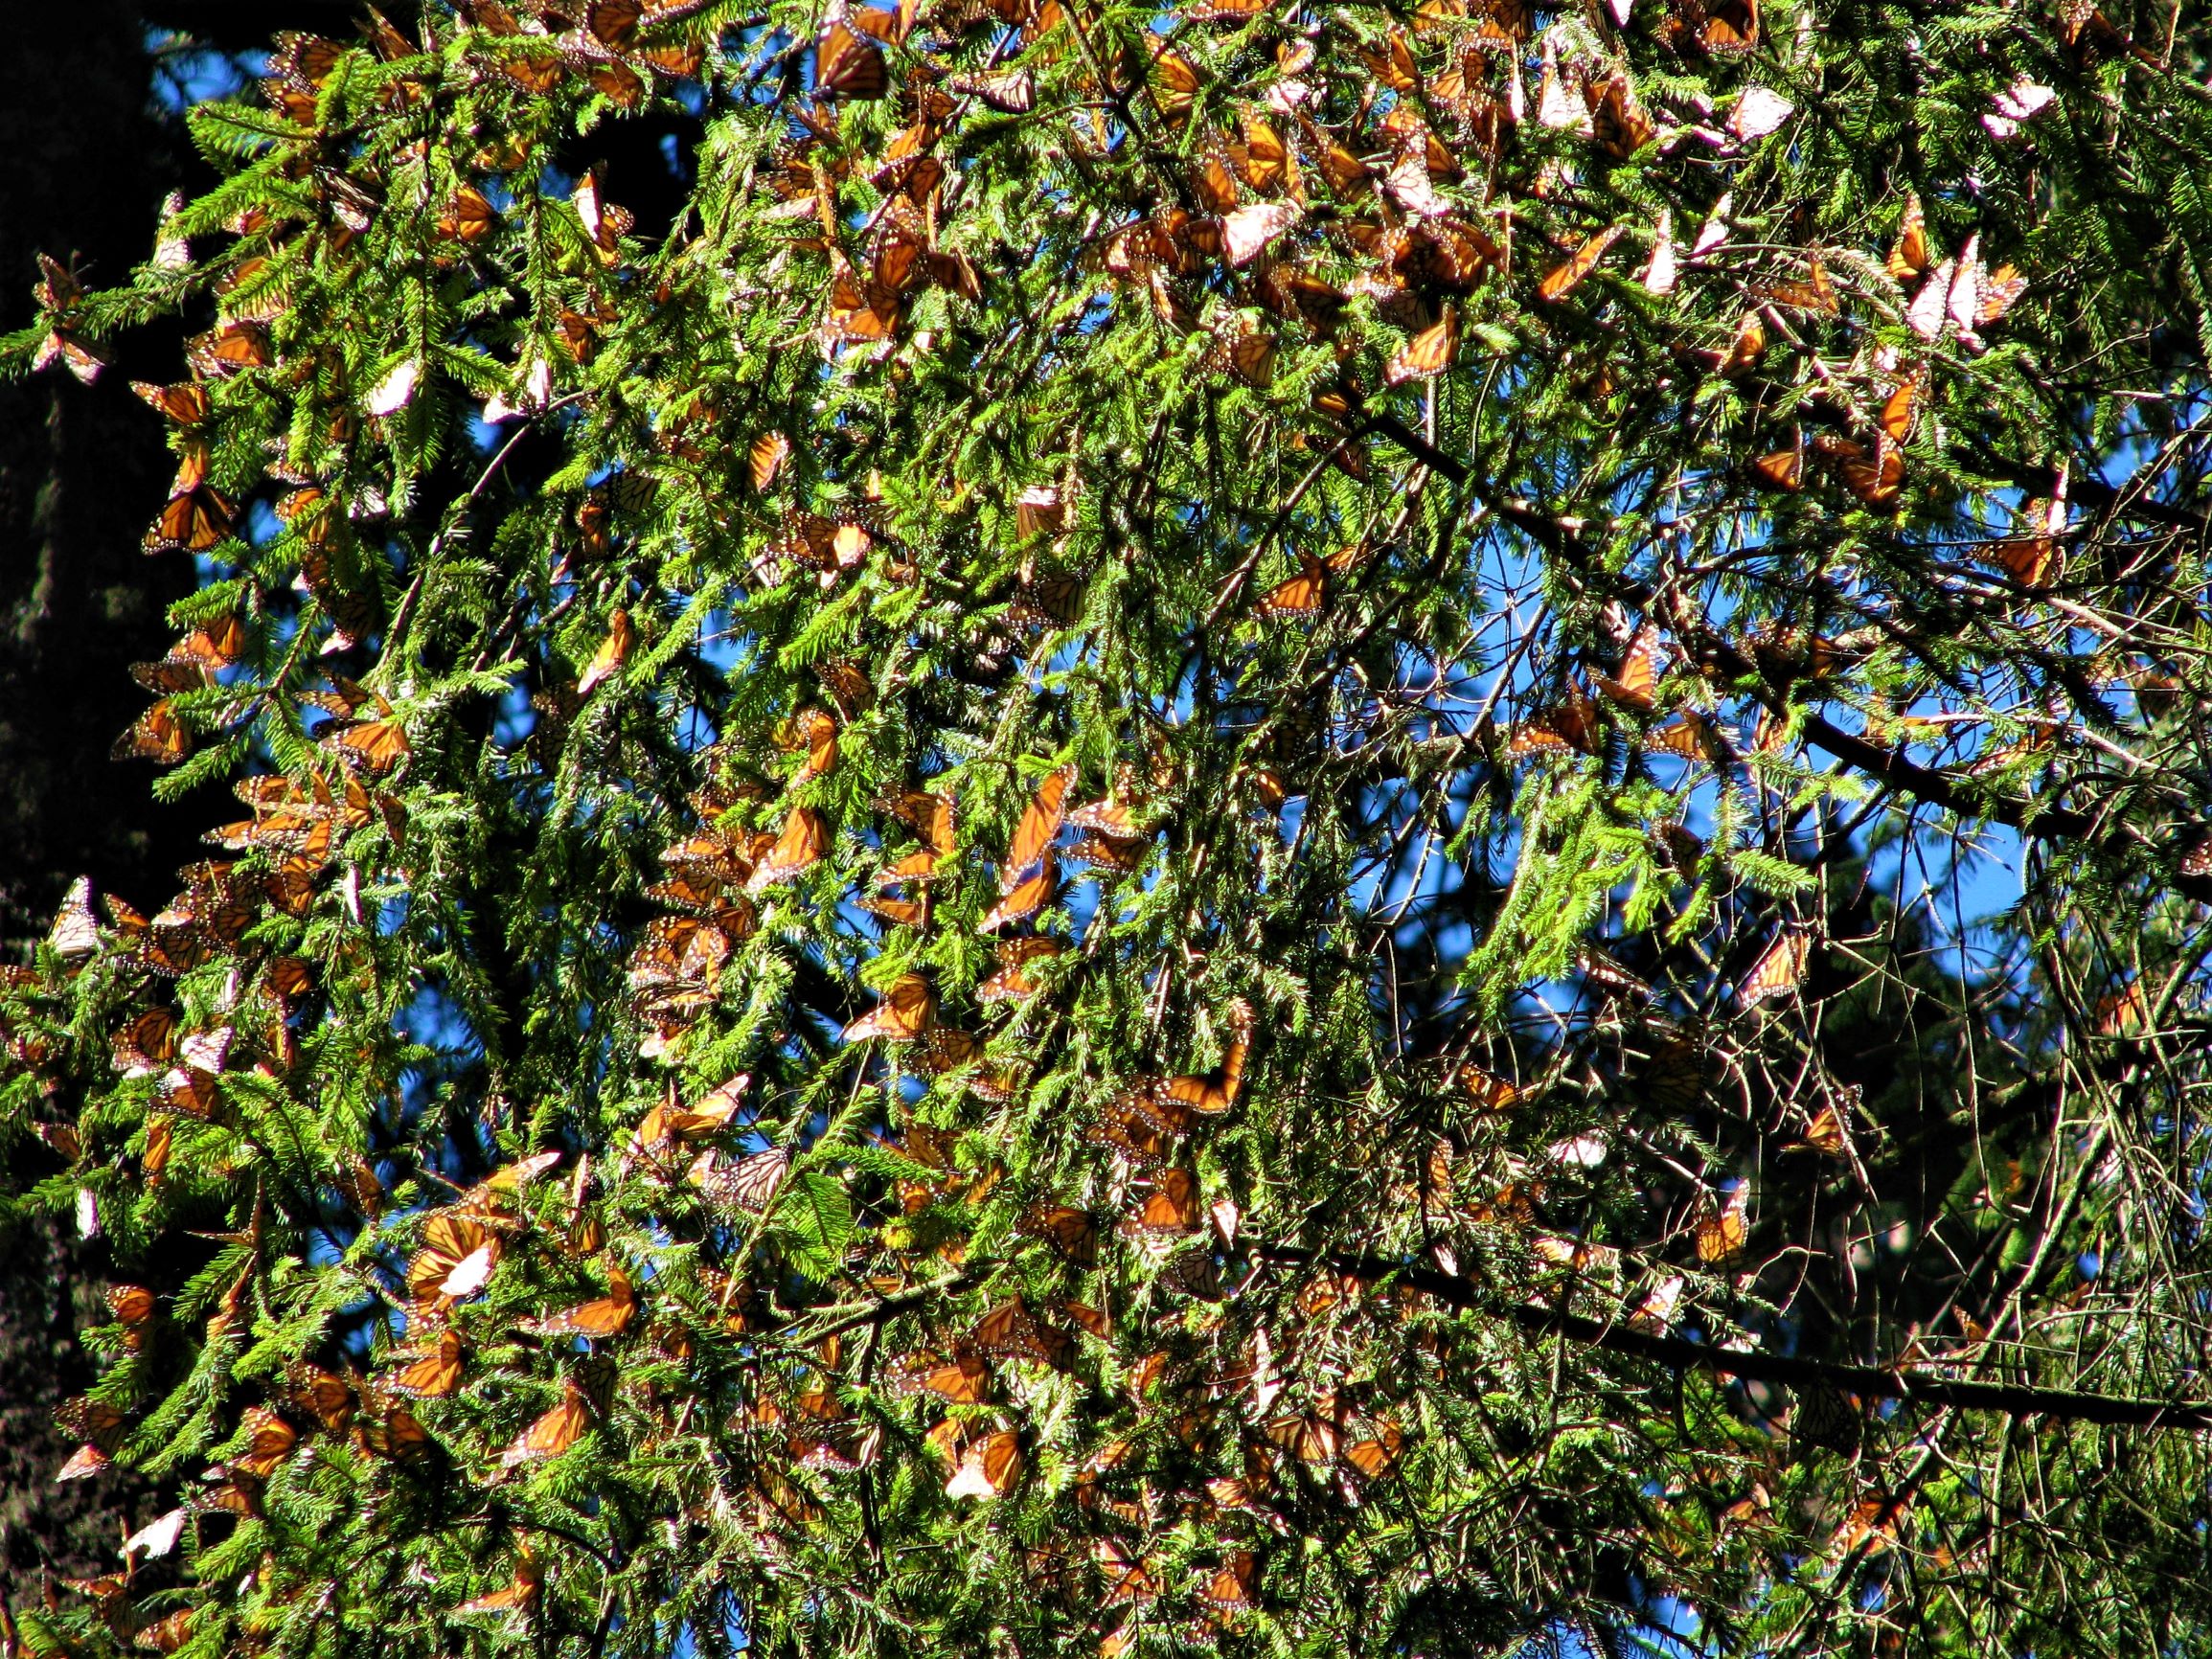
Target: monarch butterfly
[[158, 735], [377, 747], [1300, 596], [987, 1468], [1008, 91], [1303, 295], [1639, 672], [1012, 980], [1246, 233], [605, 223], [1011, 1331], [1825, 1133], [1374, 1457], [146, 1042], [448, 1241], [1071, 1232], [229, 348], [848, 65], [519, 1594], [1264, 160], [552, 1434], [907, 1010], [470, 219], [1171, 1207], [1429, 353], [215, 645], [751, 1183], [2000, 288], [603, 1317], [1779, 967], [1124, 1128], [1746, 347], [191, 522], [613, 22], [765, 459], [1039, 823], [1311, 1437], [1562, 279], [1816, 293], [76, 930], [185, 404], [1211, 1096], [1049, 601], [1230, 1588], [1609, 976], [1911, 253], [1719, 27], [1568, 727], [1175, 82], [613, 651], [801, 845], [623, 86], [1024, 900], [270, 1439], [323, 1396], [1782, 470], [961, 1379], [1722, 1232], [1488, 1091]]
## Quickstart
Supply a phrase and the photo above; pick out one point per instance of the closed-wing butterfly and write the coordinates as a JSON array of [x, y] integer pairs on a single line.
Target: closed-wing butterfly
[[1488, 1091], [1376, 1456], [799, 847], [1562, 279], [1782, 470], [1229, 1589], [192, 522], [908, 1009], [1912, 254], [76, 931], [229, 348], [470, 218], [377, 746], [613, 651], [1777, 972], [552, 1434], [1024, 900], [1040, 825], [1427, 354], [186, 403], [159, 735], [1723, 1229], [766, 460]]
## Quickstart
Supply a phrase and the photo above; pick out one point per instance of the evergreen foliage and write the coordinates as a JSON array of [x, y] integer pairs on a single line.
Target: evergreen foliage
[[1188, 840]]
